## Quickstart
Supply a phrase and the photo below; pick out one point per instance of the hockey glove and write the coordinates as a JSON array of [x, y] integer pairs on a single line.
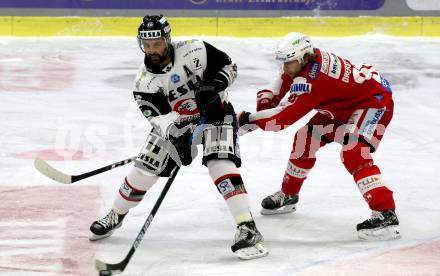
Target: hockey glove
[[266, 100], [207, 94], [244, 125], [209, 103]]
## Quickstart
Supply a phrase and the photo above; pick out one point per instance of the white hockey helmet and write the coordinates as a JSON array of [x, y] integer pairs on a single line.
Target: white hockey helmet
[[293, 47]]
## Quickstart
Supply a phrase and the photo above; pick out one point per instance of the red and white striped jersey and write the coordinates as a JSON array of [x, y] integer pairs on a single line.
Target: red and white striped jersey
[[330, 85]]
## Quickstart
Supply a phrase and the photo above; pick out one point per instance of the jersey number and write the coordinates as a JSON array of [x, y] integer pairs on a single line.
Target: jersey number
[[365, 72]]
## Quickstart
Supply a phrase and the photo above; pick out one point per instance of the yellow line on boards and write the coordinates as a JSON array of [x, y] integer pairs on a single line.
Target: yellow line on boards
[[223, 26]]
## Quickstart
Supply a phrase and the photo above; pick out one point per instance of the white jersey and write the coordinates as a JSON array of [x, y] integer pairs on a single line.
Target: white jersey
[[178, 80]]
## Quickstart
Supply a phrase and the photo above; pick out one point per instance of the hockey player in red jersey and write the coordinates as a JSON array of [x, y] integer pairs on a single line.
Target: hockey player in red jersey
[[354, 106], [179, 83]]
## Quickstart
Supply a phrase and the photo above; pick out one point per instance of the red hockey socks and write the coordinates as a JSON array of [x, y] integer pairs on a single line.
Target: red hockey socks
[[296, 172], [370, 184], [359, 163]]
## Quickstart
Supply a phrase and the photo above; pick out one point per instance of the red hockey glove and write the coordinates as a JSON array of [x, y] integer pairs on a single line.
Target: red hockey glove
[[266, 100], [244, 126]]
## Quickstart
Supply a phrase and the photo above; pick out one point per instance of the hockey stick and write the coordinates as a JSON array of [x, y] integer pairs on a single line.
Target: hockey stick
[[110, 269], [49, 171]]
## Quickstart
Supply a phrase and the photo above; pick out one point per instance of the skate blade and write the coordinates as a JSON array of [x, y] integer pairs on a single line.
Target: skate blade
[[253, 252], [95, 237], [283, 210], [381, 234]]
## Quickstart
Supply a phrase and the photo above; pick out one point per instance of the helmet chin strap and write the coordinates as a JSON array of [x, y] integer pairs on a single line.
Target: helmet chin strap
[[301, 62]]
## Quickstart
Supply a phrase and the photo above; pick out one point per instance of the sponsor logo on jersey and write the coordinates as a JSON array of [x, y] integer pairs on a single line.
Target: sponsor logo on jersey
[[183, 89], [175, 78], [335, 67], [184, 42], [325, 62], [192, 51], [385, 84], [370, 122], [314, 70], [300, 86], [186, 107], [347, 71], [147, 113]]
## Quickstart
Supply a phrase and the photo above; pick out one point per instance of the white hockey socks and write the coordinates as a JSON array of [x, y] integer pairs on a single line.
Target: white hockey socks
[[227, 179], [133, 189]]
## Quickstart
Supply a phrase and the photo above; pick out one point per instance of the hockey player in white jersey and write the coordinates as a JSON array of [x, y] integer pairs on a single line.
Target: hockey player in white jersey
[[179, 85]]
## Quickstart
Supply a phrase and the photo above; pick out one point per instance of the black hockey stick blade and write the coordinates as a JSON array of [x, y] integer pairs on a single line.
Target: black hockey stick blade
[[49, 171], [111, 269]]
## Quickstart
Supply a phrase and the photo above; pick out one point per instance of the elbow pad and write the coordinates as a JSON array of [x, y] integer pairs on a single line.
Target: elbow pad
[[225, 77], [152, 104]]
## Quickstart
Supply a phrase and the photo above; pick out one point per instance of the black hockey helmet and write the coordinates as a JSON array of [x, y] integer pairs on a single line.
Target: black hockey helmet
[[154, 26]]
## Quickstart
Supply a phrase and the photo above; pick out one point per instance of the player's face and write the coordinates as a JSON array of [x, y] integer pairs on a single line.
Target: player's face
[[156, 49], [292, 68]]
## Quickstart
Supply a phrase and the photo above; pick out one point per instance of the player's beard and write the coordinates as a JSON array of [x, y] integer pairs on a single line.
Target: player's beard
[[158, 59]]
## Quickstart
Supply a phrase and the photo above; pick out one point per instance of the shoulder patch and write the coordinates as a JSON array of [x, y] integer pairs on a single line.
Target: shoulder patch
[[347, 71], [325, 62], [335, 66], [314, 70], [385, 84]]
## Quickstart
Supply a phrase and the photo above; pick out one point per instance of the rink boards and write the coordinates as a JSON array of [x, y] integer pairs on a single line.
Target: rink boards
[[222, 26]]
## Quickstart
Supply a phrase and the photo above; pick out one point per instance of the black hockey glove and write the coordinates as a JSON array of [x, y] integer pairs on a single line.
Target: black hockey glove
[[244, 125], [207, 94], [207, 98]]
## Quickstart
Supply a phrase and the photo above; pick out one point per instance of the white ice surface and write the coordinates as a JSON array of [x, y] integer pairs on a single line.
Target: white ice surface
[[191, 234]]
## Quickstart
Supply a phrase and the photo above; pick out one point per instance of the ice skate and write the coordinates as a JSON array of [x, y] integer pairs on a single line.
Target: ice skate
[[383, 225], [105, 226], [279, 203], [248, 242]]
